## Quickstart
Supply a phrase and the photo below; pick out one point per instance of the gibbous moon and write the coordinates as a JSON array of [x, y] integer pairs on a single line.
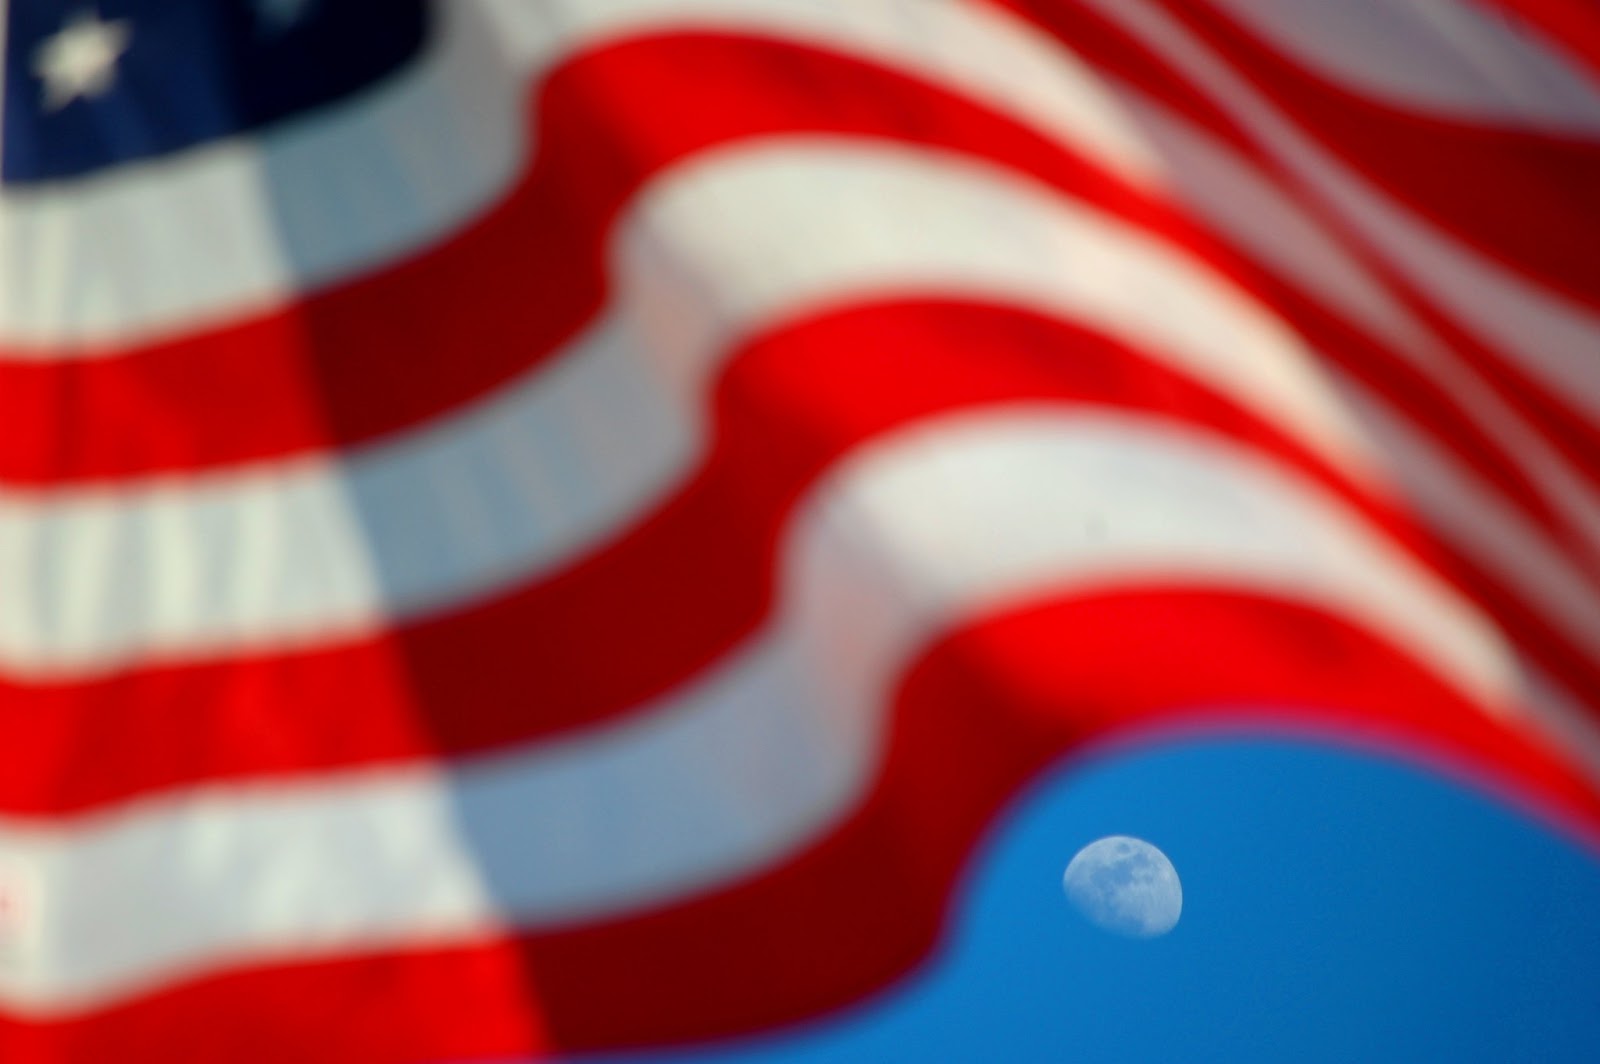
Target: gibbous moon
[[1125, 885]]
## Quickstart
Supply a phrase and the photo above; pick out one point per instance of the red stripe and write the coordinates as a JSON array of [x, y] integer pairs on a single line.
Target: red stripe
[[429, 334], [426, 1007], [678, 591], [1572, 25], [986, 709]]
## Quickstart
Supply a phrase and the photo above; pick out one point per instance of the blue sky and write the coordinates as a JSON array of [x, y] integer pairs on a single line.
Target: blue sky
[[1337, 907]]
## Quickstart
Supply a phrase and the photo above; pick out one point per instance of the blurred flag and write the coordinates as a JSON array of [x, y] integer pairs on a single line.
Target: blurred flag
[[545, 524]]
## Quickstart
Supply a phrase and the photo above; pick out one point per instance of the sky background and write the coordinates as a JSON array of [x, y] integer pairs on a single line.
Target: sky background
[[1337, 907]]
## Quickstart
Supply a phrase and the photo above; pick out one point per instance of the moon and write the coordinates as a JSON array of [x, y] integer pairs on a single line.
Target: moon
[[1126, 886]]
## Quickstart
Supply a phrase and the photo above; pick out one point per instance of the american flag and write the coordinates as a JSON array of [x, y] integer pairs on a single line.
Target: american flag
[[532, 525]]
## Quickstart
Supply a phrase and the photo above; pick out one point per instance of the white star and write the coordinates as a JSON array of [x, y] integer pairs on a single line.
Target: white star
[[80, 60], [281, 16]]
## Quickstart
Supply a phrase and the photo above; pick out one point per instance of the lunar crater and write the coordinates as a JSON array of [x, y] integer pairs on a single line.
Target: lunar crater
[[1126, 886]]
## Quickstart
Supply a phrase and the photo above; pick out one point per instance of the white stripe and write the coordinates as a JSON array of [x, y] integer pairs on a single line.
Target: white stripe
[[151, 250], [735, 242], [1254, 213], [1460, 60], [1549, 336], [937, 525]]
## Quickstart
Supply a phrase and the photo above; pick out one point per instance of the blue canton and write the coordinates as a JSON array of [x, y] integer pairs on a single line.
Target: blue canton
[[90, 85]]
